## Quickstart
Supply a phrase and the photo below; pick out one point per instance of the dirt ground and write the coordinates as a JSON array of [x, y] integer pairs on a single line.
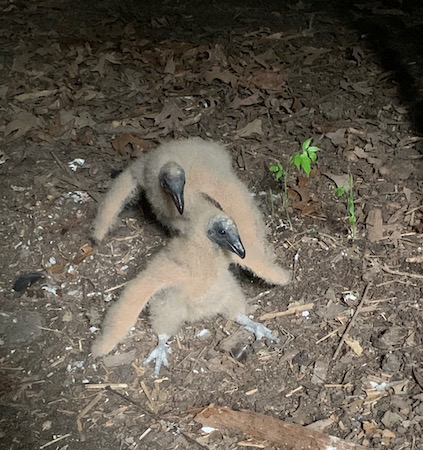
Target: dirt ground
[[85, 88]]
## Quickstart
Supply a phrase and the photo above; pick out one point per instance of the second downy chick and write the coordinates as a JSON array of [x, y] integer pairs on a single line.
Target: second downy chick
[[187, 281]]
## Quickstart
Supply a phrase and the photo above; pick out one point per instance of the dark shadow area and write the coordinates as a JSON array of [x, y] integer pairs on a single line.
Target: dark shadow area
[[394, 30]]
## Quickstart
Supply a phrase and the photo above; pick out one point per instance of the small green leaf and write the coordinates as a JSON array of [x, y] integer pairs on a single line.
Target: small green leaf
[[313, 157], [297, 161], [306, 166], [340, 191], [274, 168], [306, 144]]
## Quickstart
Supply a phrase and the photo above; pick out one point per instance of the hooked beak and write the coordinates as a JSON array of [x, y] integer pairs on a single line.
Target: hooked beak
[[178, 199], [236, 246]]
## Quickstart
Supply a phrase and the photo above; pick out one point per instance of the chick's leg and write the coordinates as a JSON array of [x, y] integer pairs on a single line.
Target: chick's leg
[[167, 313], [159, 354], [233, 306], [260, 331]]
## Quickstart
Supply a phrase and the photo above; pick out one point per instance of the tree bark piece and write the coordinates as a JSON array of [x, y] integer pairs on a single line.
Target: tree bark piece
[[285, 435]]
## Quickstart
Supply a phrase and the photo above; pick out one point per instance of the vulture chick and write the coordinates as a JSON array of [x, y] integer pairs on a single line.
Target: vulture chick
[[172, 175], [187, 281]]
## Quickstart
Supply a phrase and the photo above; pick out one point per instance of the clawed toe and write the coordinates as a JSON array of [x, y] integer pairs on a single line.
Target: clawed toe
[[159, 355]]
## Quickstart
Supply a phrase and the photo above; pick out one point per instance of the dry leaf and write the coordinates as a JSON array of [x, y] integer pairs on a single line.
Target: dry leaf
[[170, 117], [360, 152], [82, 120], [302, 198], [253, 127], [362, 88], [374, 225], [337, 137], [407, 192], [341, 181], [86, 250], [274, 36], [34, 95], [320, 372], [370, 427], [21, 124], [357, 53], [267, 79], [399, 387], [136, 142], [397, 215], [226, 76], [237, 102], [387, 436], [170, 65], [321, 425], [67, 316], [418, 376], [354, 345], [313, 54]]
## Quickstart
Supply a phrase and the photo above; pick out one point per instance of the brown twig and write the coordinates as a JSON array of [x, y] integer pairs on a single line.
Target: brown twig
[[60, 438], [293, 310], [90, 405], [65, 169], [349, 326], [106, 386], [278, 432], [401, 274]]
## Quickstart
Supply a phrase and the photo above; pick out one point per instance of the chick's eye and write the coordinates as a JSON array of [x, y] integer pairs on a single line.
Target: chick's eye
[[222, 232]]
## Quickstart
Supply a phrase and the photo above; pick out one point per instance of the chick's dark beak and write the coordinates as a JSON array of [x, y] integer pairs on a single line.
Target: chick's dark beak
[[237, 247], [178, 199]]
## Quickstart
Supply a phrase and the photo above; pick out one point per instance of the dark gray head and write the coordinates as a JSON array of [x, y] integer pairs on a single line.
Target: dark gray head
[[172, 180], [222, 231]]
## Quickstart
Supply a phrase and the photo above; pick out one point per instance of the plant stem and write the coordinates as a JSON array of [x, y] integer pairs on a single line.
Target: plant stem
[[286, 200]]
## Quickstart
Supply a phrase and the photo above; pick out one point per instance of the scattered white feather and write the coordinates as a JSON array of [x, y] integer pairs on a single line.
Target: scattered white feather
[[77, 162]]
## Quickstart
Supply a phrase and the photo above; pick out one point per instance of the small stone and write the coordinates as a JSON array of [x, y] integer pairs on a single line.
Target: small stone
[[20, 327], [390, 419], [391, 363]]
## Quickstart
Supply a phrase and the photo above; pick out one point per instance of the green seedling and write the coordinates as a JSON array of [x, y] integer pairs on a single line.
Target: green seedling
[[278, 170], [352, 219], [340, 192], [302, 161], [306, 158]]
